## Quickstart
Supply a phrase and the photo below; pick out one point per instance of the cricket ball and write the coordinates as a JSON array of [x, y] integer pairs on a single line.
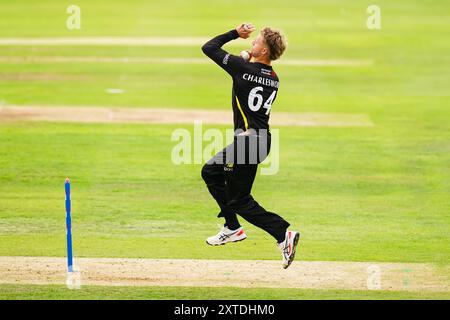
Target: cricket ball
[[246, 55]]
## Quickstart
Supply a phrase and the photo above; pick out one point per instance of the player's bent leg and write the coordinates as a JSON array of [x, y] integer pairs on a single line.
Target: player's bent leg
[[214, 179], [212, 170], [226, 235], [212, 174], [252, 212]]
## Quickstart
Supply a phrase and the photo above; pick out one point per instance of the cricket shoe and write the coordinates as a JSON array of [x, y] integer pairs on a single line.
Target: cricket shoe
[[226, 235], [288, 247]]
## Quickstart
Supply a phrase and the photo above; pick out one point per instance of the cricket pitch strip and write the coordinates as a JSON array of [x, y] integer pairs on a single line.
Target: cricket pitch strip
[[172, 116], [229, 273]]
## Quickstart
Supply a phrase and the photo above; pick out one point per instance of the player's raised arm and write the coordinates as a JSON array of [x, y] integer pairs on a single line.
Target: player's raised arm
[[213, 48]]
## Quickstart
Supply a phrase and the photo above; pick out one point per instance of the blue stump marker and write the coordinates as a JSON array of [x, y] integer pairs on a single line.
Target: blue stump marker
[[68, 227]]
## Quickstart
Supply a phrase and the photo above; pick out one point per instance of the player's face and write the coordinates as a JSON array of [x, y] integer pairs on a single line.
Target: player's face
[[259, 47]]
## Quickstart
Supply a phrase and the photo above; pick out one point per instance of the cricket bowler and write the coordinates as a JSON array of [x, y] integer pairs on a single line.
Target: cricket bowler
[[229, 175]]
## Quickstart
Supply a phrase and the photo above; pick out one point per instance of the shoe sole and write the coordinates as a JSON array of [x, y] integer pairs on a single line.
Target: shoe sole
[[294, 249], [222, 244]]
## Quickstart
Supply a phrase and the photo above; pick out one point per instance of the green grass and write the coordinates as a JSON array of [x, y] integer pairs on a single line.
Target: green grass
[[356, 194], [51, 292], [315, 29]]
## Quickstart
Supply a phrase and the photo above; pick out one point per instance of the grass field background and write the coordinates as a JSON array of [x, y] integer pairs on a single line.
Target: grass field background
[[42, 292], [356, 194]]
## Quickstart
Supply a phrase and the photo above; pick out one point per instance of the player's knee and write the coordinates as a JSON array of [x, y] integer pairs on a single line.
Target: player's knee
[[206, 173]]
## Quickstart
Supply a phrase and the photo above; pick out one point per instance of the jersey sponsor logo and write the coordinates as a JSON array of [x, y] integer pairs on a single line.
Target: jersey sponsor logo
[[228, 167], [260, 80], [225, 59], [267, 72]]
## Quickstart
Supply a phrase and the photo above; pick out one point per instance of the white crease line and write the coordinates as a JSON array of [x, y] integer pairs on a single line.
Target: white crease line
[[111, 41], [159, 41], [160, 60]]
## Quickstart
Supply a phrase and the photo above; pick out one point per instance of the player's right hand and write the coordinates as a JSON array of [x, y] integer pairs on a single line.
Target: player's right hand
[[245, 29]]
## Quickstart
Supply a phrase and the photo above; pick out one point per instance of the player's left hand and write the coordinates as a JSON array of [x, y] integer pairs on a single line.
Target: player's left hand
[[245, 29]]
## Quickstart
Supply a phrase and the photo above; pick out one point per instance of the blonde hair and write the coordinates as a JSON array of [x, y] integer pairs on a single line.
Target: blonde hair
[[275, 42]]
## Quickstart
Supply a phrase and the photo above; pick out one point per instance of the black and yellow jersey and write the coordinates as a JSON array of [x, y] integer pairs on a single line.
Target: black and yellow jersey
[[255, 84]]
